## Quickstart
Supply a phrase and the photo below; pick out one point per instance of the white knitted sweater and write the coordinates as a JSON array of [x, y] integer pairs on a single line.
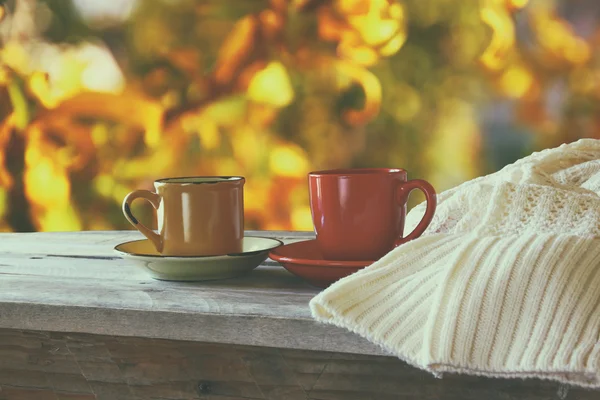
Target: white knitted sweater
[[505, 282]]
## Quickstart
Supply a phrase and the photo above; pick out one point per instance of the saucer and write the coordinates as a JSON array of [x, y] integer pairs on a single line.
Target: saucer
[[304, 259], [197, 268]]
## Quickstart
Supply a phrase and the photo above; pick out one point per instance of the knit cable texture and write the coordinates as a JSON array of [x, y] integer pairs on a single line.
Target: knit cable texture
[[505, 282]]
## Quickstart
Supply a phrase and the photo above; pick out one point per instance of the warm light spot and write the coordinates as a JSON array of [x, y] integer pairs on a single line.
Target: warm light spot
[[99, 135], [47, 184], [228, 167], [59, 219], [275, 225], [516, 81], [170, 99], [105, 12], [301, 219], [4, 76], [101, 72], [288, 160], [578, 52], [16, 57], [261, 115], [517, 4], [227, 112], [248, 147], [152, 137], [66, 156], [104, 185], [208, 132], [2, 12], [396, 11], [256, 194], [61, 74], [272, 22], [553, 34], [373, 29], [271, 86], [330, 28]]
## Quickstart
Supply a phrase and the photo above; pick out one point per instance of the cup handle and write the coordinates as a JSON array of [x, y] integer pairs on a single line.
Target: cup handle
[[153, 199], [431, 197]]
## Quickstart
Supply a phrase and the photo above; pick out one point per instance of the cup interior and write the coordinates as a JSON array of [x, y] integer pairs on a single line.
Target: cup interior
[[194, 180], [356, 171]]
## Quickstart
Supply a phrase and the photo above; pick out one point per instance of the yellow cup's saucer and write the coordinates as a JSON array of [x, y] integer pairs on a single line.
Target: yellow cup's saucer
[[197, 268]]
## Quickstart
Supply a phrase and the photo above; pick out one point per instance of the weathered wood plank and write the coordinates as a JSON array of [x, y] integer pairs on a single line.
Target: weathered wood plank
[[113, 368], [73, 282], [246, 330]]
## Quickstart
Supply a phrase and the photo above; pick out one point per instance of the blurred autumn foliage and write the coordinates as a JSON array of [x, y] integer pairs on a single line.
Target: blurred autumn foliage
[[100, 98]]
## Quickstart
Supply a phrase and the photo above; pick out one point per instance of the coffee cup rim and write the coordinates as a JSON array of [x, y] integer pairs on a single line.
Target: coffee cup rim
[[198, 180], [356, 171]]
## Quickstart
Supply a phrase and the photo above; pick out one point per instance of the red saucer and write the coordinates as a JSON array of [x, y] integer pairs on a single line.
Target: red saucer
[[304, 259]]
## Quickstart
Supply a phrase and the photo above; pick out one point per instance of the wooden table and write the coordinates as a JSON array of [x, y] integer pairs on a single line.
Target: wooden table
[[77, 322]]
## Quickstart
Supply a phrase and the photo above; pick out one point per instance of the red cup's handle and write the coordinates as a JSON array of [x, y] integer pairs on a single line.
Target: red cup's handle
[[153, 199], [431, 197]]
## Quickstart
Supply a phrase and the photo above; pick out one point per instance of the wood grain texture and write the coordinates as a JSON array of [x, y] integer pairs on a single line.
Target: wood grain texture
[[75, 282], [57, 366]]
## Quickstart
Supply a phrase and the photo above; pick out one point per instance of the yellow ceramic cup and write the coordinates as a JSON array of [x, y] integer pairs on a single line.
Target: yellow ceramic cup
[[197, 216]]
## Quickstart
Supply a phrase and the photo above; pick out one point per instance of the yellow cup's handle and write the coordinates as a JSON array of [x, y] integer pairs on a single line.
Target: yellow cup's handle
[[153, 199]]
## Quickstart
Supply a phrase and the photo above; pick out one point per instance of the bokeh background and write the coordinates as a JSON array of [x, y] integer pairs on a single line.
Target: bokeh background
[[98, 98]]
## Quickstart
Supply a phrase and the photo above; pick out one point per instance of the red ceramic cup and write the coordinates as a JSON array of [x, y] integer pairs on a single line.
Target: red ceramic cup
[[359, 214]]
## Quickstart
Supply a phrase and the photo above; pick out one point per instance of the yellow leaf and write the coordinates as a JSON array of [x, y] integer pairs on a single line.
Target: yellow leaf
[[130, 108], [271, 86], [235, 48], [374, 29], [288, 160], [503, 37], [362, 55], [372, 89], [392, 47]]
